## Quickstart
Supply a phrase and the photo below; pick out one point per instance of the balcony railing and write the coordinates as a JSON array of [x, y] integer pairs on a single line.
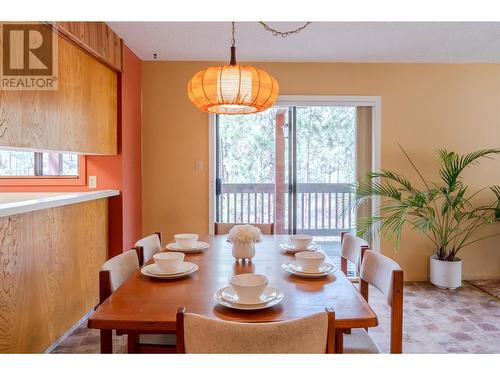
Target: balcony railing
[[321, 207]]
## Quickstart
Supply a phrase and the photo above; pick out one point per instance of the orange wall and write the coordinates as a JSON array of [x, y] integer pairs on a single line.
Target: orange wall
[[424, 107], [123, 171]]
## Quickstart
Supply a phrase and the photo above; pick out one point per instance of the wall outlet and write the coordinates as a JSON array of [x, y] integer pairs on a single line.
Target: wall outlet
[[198, 165], [92, 182]]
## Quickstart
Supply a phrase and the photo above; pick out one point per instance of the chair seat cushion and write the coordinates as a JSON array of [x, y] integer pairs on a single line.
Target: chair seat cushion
[[157, 339], [359, 342]]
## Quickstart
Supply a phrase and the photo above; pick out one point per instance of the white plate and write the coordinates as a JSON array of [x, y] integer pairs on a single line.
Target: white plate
[[155, 270], [198, 246], [296, 270], [191, 268], [218, 297], [290, 249], [268, 295]]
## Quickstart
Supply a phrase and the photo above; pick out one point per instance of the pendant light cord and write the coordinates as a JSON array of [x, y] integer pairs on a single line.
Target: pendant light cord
[[233, 31], [233, 47]]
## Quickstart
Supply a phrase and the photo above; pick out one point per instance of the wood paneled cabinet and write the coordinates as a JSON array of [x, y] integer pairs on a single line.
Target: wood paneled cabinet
[[80, 116], [97, 38]]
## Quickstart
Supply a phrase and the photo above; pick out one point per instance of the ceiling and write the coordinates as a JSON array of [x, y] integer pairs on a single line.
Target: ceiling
[[420, 42]]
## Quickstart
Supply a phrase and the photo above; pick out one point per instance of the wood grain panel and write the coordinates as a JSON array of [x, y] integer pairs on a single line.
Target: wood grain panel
[[96, 38], [80, 116], [49, 262]]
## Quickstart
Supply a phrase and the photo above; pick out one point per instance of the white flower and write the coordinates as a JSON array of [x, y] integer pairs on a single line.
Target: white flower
[[244, 233]]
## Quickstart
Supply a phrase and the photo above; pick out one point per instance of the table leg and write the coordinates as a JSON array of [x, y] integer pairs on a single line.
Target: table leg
[[339, 341], [106, 341]]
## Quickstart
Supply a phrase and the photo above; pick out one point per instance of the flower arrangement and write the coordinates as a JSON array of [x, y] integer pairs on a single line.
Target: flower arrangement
[[244, 234]]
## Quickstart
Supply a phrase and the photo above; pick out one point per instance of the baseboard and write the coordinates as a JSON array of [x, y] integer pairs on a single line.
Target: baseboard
[[69, 332]]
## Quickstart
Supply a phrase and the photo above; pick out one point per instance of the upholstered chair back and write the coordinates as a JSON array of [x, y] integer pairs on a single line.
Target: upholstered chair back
[[351, 249], [305, 335], [150, 246], [120, 268], [377, 270]]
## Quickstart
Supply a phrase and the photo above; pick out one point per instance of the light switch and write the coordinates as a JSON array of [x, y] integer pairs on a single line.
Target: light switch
[[198, 165], [92, 182]]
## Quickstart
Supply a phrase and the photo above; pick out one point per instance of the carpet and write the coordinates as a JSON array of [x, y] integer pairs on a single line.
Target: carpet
[[492, 287]]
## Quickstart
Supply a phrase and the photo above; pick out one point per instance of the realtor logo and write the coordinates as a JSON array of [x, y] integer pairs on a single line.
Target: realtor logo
[[28, 57]]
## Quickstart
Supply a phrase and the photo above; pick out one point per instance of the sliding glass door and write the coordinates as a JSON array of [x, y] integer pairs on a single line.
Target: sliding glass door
[[290, 165]]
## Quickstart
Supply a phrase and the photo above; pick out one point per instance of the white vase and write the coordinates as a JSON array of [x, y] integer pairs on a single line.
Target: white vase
[[446, 274], [243, 250]]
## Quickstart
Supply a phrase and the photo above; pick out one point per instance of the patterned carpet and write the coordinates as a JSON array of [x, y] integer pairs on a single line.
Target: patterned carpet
[[491, 287]]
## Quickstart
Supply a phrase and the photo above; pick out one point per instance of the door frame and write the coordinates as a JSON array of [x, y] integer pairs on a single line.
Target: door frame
[[303, 100]]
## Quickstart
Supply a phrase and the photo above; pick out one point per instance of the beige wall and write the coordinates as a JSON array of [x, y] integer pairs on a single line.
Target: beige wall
[[424, 107]]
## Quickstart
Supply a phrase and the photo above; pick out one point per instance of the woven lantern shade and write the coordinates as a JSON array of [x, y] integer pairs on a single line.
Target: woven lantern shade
[[233, 89]]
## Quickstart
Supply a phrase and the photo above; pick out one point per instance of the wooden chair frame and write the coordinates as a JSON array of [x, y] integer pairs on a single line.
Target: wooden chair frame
[[330, 346], [396, 307]]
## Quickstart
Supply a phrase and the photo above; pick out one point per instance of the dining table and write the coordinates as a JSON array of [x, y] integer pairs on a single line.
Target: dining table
[[148, 305]]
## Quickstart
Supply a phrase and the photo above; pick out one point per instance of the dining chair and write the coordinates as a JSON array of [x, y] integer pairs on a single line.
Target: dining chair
[[112, 275], [150, 246], [312, 334], [387, 276], [224, 228], [351, 251]]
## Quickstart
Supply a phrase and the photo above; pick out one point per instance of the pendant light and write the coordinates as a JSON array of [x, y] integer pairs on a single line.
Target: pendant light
[[233, 89]]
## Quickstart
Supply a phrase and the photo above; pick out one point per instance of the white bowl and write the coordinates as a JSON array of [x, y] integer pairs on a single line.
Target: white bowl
[[301, 241], [310, 260], [168, 262], [186, 240], [249, 286]]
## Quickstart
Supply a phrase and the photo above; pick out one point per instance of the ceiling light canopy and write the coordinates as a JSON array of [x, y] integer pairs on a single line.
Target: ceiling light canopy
[[233, 89]]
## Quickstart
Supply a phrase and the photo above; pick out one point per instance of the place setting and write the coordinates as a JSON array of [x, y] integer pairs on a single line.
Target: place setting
[[187, 243], [309, 264], [249, 291], [169, 265], [300, 242]]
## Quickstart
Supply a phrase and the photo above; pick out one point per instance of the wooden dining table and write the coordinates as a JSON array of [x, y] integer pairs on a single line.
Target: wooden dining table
[[148, 305]]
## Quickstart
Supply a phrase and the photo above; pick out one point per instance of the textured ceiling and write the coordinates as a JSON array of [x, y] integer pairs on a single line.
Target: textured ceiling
[[452, 42]]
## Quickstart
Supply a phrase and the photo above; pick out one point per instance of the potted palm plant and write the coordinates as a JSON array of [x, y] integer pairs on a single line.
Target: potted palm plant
[[445, 212]]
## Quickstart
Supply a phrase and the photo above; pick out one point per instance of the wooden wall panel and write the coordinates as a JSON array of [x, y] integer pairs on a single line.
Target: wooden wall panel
[[97, 38], [80, 116], [49, 263]]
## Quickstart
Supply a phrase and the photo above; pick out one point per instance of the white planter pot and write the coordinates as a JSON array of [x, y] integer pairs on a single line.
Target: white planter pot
[[243, 250], [446, 274]]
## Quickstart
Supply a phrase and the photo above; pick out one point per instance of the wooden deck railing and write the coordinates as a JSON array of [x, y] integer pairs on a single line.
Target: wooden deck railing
[[321, 207]]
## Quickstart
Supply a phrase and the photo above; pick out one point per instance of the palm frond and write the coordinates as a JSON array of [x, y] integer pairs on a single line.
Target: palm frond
[[453, 164]]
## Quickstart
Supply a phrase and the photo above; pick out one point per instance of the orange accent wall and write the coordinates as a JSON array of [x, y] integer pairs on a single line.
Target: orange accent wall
[[121, 171], [132, 148]]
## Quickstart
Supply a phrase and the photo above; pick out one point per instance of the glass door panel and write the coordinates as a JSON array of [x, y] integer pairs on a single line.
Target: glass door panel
[[290, 166], [325, 157]]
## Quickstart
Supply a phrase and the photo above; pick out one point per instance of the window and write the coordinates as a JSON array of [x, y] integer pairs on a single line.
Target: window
[[38, 164]]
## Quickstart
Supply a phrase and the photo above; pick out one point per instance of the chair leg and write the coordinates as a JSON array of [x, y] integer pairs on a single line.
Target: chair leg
[[131, 342], [106, 341], [343, 265], [339, 341]]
